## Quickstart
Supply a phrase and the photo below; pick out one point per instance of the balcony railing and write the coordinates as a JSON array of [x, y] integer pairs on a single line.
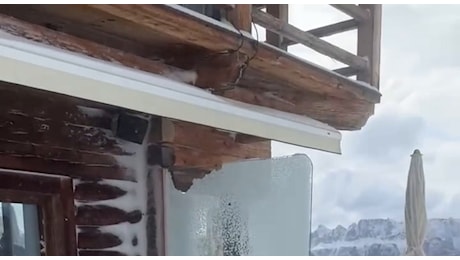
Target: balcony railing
[[366, 19]]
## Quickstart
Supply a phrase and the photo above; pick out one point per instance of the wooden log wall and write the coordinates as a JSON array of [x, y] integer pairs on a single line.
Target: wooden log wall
[[117, 185], [115, 212], [50, 133]]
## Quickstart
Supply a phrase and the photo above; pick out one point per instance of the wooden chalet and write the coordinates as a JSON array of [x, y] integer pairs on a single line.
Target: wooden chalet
[[98, 103]]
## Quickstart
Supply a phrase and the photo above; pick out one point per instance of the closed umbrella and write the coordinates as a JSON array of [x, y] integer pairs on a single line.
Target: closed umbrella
[[415, 209]]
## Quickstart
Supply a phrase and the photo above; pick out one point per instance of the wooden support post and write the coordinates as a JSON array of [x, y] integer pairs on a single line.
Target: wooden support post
[[240, 16], [280, 12], [160, 159], [369, 36]]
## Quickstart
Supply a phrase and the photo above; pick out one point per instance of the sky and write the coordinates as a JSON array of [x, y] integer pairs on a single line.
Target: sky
[[420, 83]]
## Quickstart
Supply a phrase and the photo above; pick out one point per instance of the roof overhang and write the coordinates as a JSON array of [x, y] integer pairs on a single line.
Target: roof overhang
[[39, 66]]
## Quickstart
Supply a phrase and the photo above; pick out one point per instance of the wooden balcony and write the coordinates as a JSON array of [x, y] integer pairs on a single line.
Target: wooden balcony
[[216, 51]]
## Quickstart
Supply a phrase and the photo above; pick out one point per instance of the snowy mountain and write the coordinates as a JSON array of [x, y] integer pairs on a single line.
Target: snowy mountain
[[378, 237]]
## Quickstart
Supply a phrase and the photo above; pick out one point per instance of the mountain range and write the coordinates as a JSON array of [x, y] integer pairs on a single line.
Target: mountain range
[[384, 237]]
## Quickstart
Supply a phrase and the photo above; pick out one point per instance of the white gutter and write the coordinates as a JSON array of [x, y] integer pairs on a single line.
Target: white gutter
[[39, 66]]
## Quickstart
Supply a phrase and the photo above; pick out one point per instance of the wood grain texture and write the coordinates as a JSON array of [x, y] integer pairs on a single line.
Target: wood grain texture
[[258, 80]]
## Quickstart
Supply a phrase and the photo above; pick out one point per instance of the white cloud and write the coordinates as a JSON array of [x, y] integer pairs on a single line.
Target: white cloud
[[421, 90]]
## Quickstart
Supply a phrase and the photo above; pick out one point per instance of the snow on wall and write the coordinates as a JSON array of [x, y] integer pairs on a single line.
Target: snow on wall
[[134, 199], [186, 76], [255, 207], [91, 112]]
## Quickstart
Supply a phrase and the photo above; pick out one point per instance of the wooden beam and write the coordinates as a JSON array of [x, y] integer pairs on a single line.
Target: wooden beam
[[101, 215], [95, 239], [74, 44], [83, 252], [186, 31], [347, 71], [240, 16], [309, 40], [353, 10], [369, 41], [343, 113], [196, 137], [94, 191], [280, 11], [329, 30], [248, 139], [337, 114], [190, 29], [350, 117]]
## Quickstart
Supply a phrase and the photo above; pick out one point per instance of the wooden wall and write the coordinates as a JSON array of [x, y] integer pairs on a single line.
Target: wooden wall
[[117, 183], [49, 133]]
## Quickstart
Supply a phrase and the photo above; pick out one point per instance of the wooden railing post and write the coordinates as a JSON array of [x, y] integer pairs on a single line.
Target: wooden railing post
[[280, 12], [240, 16], [369, 35]]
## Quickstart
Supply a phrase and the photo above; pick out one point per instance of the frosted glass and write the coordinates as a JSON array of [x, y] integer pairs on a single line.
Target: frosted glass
[[255, 207]]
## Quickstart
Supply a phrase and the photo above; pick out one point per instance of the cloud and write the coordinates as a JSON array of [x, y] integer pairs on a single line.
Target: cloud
[[420, 86], [388, 136]]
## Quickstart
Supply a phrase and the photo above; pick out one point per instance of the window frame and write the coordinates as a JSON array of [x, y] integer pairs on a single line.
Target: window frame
[[53, 196]]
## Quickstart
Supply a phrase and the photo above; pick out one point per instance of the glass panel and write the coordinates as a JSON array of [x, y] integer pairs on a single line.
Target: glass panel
[[19, 233], [256, 207]]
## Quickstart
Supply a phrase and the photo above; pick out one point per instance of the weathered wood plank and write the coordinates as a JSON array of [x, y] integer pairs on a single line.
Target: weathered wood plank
[[369, 40], [340, 113], [240, 16], [280, 11], [66, 198], [94, 191], [42, 105], [20, 127], [329, 30], [74, 44], [253, 95], [101, 215], [71, 156], [95, 239], [38, 164], [168, 20], [188, 135], [283, 28], [100, 253], [33, 183], [353, 10]]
